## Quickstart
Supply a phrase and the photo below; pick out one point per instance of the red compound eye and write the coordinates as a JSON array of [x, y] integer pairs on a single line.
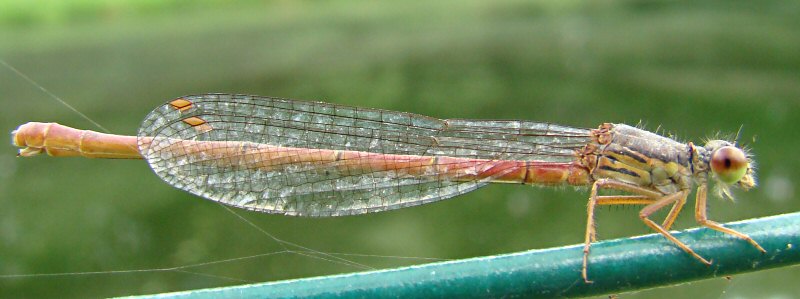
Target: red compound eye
[[729, 163]]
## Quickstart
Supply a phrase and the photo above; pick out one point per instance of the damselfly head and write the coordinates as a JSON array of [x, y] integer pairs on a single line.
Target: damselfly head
[[731, 166]]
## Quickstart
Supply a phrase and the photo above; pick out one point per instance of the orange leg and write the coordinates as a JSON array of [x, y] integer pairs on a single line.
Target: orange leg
[[590, 230], [645, 197], [702, 219], [673, 213], [657, 205], [624, 200]]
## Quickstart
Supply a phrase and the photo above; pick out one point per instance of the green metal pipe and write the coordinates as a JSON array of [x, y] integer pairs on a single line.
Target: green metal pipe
[[616, 266]]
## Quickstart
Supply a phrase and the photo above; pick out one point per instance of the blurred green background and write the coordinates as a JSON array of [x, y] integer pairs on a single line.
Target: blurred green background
[[693, 68]]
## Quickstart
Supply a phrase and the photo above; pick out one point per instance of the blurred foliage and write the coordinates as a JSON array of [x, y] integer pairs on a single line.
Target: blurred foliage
[[692, 69], [43, 13]]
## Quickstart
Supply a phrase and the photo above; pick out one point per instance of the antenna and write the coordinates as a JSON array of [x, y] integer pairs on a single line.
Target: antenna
[[738, 134]]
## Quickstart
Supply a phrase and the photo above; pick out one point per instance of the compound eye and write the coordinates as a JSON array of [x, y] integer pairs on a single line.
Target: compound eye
[[729, 163]]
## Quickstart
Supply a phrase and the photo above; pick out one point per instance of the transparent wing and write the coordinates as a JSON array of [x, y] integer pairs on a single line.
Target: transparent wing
[[305, 180]]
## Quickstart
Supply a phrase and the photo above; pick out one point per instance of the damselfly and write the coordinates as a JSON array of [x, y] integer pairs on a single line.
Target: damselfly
[[318, 159]]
